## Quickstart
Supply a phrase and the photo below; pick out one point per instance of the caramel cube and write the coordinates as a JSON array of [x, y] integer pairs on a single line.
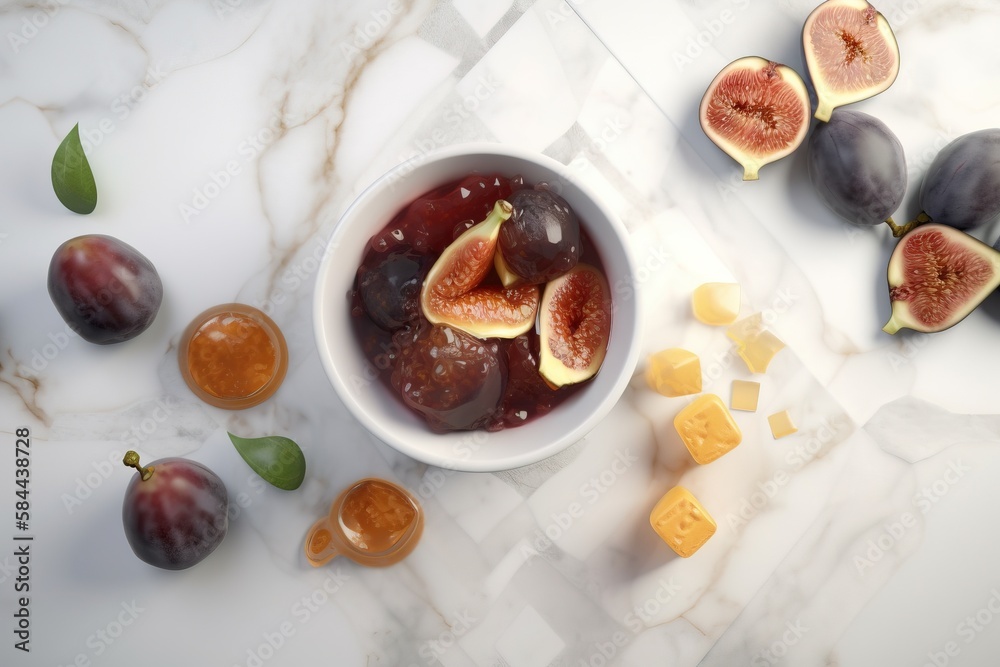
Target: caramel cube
[[745, 395], [781, 424], [681, 521], [754, 343], [707, 428], [716, 303], [674, 372]]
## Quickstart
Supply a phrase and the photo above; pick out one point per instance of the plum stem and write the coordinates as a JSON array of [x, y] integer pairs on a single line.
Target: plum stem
[[900, 230], [132, 461]]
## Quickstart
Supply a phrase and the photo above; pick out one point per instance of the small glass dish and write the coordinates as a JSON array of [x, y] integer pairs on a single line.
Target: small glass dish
[[233, 356], [373, 522]]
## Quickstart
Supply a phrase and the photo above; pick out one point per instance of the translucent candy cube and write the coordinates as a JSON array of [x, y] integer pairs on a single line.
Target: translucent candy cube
[[745, 395], [707, 428], [674, 372], [754, 343], [781, 424], [716, 303], [681, 521]]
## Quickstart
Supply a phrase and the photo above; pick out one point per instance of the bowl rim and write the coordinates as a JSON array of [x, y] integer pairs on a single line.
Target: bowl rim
[[379, 430]]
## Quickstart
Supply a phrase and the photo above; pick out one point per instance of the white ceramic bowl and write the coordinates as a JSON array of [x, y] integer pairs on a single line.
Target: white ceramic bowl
[[371, 400]]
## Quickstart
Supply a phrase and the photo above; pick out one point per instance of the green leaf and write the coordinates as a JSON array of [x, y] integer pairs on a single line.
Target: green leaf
[[278, 460], [72, 178]]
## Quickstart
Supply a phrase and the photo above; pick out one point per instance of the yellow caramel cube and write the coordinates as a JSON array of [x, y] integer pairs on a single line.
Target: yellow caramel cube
[[707, 428], [754, 343], [716, 303], [745, 395], [681, 521], [674, 372], [781, 424]]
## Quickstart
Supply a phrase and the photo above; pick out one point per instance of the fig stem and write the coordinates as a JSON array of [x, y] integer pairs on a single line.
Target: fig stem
[[823, 110], [132, 461], [900, 230]]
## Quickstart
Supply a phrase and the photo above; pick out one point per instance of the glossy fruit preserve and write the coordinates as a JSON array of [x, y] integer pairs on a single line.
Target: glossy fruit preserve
[[433, 360], [233, 356]]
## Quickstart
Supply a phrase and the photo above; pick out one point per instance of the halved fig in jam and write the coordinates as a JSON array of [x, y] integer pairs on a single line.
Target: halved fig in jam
[[574, 326], [757, 111], [451, 294], [851, 53], [938, 275]]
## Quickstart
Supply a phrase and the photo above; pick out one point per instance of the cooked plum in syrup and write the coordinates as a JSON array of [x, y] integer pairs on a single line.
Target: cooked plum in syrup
[[541, 241], [390, 292], [453, 378]]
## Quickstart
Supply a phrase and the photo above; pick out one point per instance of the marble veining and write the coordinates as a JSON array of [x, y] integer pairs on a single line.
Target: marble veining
[[229, 136]]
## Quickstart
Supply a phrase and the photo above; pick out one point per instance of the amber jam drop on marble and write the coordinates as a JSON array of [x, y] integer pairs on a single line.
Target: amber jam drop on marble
[[233, 356], [373, 522]]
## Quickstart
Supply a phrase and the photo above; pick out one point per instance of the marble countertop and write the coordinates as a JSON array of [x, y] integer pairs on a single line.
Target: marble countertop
[[228, 137]]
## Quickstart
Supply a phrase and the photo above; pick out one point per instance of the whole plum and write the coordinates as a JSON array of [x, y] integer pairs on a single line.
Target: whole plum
[[106, 290], [541, 241], [175, 512], [455, 380]]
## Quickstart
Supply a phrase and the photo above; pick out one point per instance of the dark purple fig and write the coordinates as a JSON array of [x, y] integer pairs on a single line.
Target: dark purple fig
[[106, 290], [857, 166], [175, 512], [962, 186]]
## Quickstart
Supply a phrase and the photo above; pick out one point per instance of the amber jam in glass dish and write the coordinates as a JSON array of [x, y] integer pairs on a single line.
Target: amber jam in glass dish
[[373, 522], [233, 356], [455, 379]]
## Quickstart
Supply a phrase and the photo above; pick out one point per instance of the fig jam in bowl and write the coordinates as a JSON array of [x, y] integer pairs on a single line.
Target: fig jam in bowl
[[360, 357]]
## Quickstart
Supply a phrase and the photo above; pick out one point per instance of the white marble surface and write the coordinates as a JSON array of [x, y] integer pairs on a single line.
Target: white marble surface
[[867, 538]]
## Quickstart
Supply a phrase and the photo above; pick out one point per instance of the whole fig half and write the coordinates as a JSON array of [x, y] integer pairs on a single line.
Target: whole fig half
[[937, 276], [756, 111], [451, 294], [574, 326], [851, 53]]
